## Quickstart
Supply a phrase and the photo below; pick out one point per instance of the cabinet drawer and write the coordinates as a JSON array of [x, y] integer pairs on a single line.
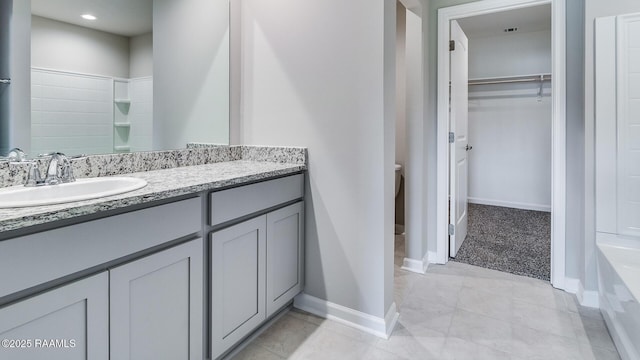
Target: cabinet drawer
[[49, 255], [237, 202]]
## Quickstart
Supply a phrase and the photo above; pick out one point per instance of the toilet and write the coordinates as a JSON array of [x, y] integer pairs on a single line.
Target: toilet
[[399, 229], [398, 178]]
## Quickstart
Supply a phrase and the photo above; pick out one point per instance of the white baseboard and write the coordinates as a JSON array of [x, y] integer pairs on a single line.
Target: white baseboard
[[381, 327], [510, 204], [416, 266], [589, 298]]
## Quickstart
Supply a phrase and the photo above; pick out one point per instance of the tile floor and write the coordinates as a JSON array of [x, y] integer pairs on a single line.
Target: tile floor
[[456, 311]]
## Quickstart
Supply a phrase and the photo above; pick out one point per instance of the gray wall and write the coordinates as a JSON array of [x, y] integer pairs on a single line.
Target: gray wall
[[141, 55], [575, 238], [415, 169], [190, 72], [67, 47], [5, 26], [19, 92], [322, 76]]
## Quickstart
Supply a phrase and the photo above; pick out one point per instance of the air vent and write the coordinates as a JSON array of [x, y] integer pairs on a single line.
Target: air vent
[[511, 30]]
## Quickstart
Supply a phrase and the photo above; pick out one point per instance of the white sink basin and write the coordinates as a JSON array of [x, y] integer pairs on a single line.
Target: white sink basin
[[81, 189]]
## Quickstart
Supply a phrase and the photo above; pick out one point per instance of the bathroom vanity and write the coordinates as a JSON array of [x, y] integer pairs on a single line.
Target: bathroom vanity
[[185, 268]]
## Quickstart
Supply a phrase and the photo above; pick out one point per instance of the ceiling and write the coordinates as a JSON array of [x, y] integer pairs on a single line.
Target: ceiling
[[121, 17], [535, 18]]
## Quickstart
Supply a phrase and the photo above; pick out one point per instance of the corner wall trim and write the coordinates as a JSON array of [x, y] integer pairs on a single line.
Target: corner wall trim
[[416, 266], [572, 285], [381, 327], [432, 256], [589, 298]]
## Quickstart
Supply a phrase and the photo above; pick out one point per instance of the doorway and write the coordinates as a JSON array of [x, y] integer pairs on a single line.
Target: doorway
[[554, 80], [501, 109]]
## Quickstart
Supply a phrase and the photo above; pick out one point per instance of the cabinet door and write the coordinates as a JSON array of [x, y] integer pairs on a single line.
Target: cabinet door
[[157, 304], [69, 322], [237, 282], [284, 255]]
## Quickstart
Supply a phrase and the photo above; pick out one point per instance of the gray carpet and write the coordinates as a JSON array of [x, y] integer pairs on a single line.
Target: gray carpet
[[511, 240]]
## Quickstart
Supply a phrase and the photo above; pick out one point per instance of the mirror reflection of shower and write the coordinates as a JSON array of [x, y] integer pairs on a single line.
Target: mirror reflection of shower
[[91, 76]]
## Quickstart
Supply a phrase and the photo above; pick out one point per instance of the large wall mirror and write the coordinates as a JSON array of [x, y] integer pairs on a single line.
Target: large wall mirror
[[114, 76]]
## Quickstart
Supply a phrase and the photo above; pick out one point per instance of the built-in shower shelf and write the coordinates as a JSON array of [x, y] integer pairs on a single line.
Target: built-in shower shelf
[[122, 101], [122, 125]]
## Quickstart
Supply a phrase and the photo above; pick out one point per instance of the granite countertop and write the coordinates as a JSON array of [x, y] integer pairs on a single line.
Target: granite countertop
[[161, 184]]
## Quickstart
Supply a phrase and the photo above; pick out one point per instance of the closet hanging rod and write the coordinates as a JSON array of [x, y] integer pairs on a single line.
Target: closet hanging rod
[[510, 79]]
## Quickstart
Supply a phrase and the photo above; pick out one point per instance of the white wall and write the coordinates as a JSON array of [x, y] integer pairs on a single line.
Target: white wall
[[322, 76], [510, 55], [141, 56], [62, 46], [509, 129], [190, 72]]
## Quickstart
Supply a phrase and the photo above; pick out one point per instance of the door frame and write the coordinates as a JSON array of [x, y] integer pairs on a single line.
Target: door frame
[[558, 152]]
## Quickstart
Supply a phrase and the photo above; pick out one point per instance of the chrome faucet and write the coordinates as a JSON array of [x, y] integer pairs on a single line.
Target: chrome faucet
[[33, 176], [59, 170], [16, 155]]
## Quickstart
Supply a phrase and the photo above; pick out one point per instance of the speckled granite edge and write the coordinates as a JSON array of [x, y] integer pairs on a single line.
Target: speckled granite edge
[[12, 173], [161, 184], [279, 154]]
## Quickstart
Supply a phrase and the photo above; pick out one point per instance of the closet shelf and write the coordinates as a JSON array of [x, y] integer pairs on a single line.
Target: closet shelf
[[510, 79]]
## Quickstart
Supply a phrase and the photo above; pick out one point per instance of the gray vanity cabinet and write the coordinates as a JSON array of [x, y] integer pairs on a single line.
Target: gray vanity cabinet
[[284, 255], [156, 305], [69, 322], [237, 282], [256, 264]]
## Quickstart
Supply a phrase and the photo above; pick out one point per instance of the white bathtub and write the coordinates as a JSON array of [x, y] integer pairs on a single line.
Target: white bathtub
[[619, 282]]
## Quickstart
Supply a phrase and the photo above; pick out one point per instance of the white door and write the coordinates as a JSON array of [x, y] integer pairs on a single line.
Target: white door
[[459, 141]]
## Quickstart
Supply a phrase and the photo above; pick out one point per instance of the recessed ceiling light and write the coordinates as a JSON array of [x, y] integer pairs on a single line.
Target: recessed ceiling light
[[88, 17]]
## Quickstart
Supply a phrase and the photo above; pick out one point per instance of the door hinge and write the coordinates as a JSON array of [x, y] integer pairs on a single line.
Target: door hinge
[[452, 45], [452, 137], [452, 229]]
